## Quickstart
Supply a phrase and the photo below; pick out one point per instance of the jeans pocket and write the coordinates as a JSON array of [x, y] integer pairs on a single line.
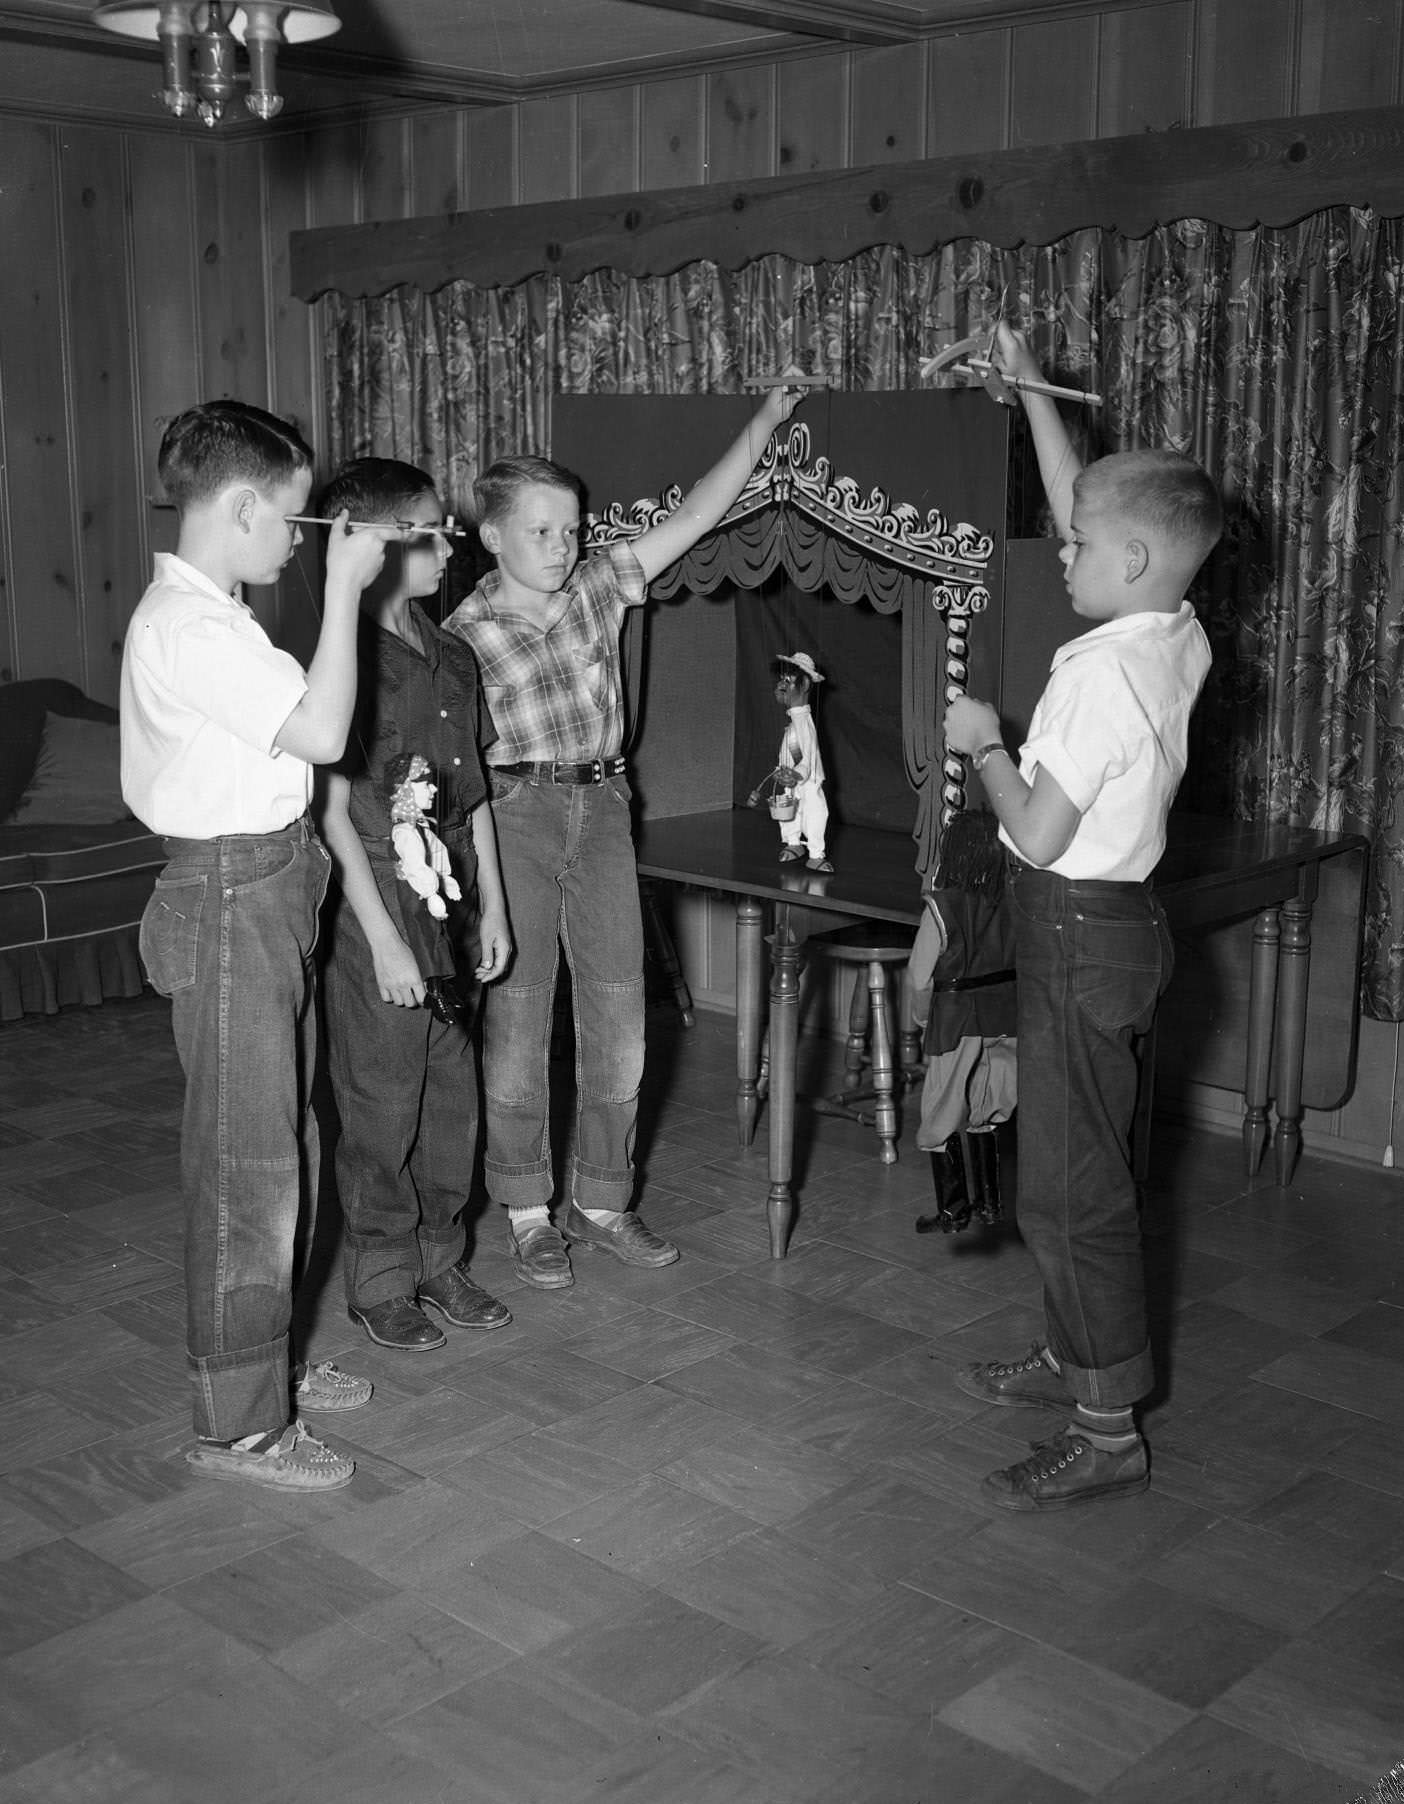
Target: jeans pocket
[[505, 787], [169, 938], [1118, 966]]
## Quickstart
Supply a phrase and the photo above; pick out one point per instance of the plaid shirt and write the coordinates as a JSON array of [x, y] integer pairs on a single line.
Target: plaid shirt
[[556, 694]]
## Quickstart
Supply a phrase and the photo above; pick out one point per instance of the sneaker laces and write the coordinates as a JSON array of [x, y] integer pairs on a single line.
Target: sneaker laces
[[1033, 1361], [1050, 1457], [326, 1370]]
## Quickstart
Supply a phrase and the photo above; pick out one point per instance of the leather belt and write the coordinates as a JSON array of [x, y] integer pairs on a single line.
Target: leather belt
[[593, 772], [948, 986]]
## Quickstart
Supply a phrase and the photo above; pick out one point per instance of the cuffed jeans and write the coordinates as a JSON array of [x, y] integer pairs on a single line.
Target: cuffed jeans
[[406, 1091], [567, 858], [1092, 959], [228, 935]]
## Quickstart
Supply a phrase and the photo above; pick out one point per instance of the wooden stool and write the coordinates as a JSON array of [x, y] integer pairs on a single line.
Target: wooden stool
[[875, 947]]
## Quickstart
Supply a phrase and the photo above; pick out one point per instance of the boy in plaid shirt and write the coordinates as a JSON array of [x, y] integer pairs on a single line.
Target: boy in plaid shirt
[[545, 630]]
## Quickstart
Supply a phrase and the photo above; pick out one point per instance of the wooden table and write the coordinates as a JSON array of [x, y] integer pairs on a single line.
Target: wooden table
[[1213, 871]]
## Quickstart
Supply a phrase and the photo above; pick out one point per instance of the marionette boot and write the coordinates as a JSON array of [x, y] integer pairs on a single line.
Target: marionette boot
[[953, 1206], [983, 1147]]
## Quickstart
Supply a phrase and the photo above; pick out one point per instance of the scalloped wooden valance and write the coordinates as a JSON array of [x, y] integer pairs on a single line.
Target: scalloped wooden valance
[[1272, 172]]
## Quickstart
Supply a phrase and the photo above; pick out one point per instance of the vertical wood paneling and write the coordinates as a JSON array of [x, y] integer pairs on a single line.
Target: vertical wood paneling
[[43, 639], [333, 175], [1053, 93], [672, 148], [293, 386], [492, 157], [1245, 60], [888, 105], [436, 141], [385, 169], [1349, 55], [546, 149], [167, 324], [107, 496], [609, 138], [229, 248], [967, 93], [740, 125], [813, 114], [1147, 70]]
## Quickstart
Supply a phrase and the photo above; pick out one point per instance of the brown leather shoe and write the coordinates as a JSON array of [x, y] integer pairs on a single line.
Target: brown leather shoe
[[631, 1241], [460, 1301], [539, 1257], [400, 1324]]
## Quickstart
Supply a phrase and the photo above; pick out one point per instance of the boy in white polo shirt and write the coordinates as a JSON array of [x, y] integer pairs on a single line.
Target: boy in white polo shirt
[[220, 731], [1084, 813]]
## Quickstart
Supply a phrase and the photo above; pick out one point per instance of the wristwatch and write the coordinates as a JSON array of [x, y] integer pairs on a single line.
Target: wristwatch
[[978, 759]]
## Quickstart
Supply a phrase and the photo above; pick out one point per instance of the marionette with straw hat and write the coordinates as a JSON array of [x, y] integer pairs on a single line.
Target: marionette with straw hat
[[795, 788]]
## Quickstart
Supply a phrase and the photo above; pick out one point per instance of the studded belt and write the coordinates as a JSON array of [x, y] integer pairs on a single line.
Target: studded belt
[[595, 771]]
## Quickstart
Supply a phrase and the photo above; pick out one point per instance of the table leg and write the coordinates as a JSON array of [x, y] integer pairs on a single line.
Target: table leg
[[1262, 1008], [884, 1080], [750, 997], [784, 1035], [1294, 965]]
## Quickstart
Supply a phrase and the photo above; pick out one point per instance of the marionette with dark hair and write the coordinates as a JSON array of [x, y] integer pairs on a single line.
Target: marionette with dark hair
[[963, 962]]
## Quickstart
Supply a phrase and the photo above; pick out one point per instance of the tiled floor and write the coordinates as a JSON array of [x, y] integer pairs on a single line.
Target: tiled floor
[[710, 1535]]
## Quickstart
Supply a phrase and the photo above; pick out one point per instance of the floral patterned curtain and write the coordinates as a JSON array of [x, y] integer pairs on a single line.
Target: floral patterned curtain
[[1274, 356]]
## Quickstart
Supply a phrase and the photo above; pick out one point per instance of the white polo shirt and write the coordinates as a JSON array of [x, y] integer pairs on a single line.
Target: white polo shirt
[[1111, 728], [204, 694]]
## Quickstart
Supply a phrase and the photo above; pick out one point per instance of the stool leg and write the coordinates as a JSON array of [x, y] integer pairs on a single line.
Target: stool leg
[[880, 1016], [855, 1051]]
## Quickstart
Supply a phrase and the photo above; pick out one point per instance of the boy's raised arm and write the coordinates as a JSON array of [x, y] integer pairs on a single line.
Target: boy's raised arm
[[709, 498], [1058, 464], [317, 727]]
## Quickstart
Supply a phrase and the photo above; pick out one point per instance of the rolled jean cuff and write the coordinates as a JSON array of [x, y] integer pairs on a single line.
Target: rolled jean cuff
[[519, 1186], [596, 1187], [241, 1393], [1108, 1387]]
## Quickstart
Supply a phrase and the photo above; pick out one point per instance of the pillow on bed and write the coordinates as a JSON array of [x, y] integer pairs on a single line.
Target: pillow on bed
[[77, 777]]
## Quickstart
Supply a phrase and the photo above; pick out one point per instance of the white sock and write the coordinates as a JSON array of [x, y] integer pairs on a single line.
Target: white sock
[[534, 1215], [603, 1218]]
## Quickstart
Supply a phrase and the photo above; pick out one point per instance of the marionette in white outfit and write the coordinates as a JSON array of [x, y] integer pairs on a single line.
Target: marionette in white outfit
[[800, 769]]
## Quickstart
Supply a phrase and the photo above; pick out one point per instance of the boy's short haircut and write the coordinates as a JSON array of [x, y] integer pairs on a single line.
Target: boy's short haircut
[[1169, 495], [208, 447], [495, 492], [375, 488]]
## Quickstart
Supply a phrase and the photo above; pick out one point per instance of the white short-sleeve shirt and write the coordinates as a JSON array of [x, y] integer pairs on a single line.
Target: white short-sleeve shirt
[[204, 694], [1111, 728]]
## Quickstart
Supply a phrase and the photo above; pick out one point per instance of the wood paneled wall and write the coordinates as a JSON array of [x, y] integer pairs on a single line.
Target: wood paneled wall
[[145, 268]]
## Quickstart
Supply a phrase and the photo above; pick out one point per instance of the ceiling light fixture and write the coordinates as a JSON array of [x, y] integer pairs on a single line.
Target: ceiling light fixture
[[199, 47]]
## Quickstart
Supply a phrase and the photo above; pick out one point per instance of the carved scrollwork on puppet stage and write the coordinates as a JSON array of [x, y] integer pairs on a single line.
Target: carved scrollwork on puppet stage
[[795, 514], [891, 540]]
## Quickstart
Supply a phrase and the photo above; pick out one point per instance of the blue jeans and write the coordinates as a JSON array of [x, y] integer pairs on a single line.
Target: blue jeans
[[228, 936], [406, 1088], [1092, 959], [567, 857]]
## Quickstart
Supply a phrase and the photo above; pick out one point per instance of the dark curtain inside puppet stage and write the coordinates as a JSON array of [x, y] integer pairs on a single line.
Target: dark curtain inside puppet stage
[[857, 709]]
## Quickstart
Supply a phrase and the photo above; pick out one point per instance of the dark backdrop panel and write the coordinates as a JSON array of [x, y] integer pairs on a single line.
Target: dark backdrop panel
[[856, 708], [934, 448]]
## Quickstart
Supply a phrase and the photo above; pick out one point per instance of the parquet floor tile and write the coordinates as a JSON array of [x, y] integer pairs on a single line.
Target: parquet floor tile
[[705, 1535]]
